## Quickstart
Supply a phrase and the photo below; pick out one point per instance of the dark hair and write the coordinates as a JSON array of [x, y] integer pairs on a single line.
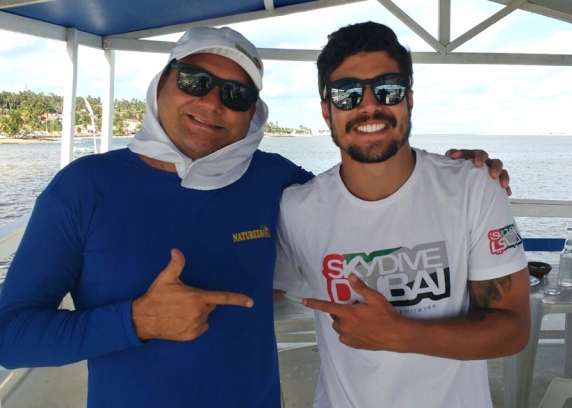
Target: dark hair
[[356, 38]]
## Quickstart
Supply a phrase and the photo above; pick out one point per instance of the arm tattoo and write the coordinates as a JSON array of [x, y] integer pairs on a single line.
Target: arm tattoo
[[477, 315], [484, 292]]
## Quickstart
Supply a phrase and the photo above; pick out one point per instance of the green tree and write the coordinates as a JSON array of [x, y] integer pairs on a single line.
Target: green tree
[[118, 126], [12, 123]]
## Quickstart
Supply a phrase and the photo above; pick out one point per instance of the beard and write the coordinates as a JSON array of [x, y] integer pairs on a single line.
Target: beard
[[374, 152]]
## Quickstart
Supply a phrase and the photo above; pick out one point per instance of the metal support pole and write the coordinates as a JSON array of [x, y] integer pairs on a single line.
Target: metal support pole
[[68, 130], [108, 103]]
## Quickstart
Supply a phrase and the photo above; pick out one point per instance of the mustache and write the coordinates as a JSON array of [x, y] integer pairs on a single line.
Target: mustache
[[377, 116]]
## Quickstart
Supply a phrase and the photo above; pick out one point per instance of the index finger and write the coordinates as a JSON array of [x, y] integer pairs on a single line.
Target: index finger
[[226, 298], [361, 288], [324, 306]]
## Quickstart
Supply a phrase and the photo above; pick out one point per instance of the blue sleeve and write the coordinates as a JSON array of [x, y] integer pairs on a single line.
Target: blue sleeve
[[298, 175], [46, 267], [303, 176]]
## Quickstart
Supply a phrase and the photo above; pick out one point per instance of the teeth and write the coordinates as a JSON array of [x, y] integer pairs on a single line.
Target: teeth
[[202, 121], [372, 128]]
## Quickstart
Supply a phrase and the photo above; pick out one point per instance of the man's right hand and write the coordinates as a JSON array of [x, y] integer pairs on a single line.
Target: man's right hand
[[171, 310]]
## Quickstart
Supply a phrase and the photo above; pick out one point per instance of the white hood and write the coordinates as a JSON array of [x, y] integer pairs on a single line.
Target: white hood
[[217, 170]]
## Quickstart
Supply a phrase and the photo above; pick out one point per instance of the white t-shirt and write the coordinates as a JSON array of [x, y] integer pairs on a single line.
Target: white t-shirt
[[449, 223]]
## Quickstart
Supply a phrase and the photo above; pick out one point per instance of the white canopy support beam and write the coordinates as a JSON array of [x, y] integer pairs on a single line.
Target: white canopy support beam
[[444, 21], [108, 103], [277, 54], [69, 109], [493, 59], [413, 25], [547, 12], [541, 208], [29, 26], [16, 3], [269, 5], [129, 44], [479, 28], [165, 47], [551, 12], [239, 18], [436, 58]]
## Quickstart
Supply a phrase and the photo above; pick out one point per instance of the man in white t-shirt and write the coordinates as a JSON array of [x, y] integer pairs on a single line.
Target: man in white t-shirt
[[414, 260]]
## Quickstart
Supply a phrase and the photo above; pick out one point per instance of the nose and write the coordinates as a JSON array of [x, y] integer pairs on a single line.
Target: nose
[[369, 102]]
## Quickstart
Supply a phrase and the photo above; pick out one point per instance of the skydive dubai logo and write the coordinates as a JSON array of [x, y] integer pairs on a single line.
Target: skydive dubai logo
[[504, 238], [404, 276]]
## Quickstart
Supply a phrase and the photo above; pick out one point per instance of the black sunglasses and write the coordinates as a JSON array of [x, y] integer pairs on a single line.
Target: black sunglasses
[[197, 81], [347, 93]]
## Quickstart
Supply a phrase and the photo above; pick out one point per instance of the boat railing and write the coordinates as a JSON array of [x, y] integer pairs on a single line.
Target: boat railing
[[10, 237], [11, 233], [541, 208]]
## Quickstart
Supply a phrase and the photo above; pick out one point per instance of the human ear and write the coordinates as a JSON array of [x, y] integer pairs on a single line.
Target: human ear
[[326, 113], [410, 99]]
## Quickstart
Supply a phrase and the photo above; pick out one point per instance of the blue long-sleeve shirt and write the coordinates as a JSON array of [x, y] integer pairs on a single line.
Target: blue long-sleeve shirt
[[102, 230]]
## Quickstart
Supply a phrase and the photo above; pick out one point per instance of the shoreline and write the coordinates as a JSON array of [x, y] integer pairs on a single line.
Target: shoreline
[[9, 140], [57, 139], [47, 139]]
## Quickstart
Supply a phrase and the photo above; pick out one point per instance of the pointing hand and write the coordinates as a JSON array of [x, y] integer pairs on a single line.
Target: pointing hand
[[372, 325], [171, 310]]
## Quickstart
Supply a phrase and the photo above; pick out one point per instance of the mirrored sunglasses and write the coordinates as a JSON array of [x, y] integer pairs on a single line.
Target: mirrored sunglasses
[[197, 81], [347, 93]]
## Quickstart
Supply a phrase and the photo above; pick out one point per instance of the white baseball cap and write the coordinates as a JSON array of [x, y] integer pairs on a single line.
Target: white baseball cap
[[225, 42]]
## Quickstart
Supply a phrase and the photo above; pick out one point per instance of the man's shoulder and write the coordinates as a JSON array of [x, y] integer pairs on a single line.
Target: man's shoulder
[[456, 178], [318, 186], [101, 159], [278, 165], [274, 158], [94, 165], [447, 167]]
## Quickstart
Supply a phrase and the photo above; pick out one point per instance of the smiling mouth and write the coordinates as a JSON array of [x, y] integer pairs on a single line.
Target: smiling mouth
[[371, 128], [204, 123]]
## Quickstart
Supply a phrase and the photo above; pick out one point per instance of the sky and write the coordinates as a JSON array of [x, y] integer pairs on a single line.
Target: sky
[[462, 99]]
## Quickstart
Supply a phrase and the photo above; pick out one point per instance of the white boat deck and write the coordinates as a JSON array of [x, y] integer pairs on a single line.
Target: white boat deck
[[66, 387], [51, 387]]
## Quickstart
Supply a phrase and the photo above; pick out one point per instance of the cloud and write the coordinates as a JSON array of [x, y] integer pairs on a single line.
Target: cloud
[[20, 44], [448, 99], [492, 99], [30, 63], [291, 92]]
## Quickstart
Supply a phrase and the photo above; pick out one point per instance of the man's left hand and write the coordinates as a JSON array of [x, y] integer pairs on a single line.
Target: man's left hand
[[481, 157], [373, 325]]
